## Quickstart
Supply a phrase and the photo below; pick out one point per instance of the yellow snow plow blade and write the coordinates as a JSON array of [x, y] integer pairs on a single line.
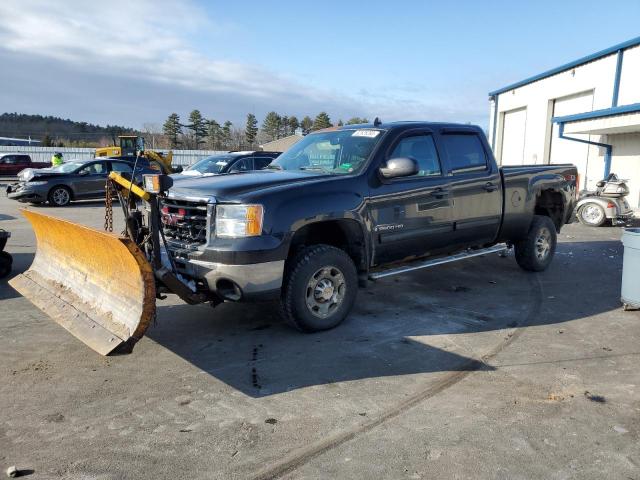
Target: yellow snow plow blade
[[95, 284]]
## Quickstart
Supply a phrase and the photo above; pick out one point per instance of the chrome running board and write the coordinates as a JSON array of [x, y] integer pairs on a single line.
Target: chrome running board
[[420, 264]]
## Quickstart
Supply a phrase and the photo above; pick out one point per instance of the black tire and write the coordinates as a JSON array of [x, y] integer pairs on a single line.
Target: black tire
[[310, 277], [592, 215], [535, 252], [59, 196], [5, 264]]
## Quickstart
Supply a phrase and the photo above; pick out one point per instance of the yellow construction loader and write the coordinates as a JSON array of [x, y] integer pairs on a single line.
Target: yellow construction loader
[[132, 145], [100, 286]]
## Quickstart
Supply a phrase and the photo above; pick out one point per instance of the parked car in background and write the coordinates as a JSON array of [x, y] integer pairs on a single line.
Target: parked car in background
[[77, 180], [13, 163], [229, 163]]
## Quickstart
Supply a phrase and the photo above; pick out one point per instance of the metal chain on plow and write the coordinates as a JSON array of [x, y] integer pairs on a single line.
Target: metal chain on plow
[[108, 206]]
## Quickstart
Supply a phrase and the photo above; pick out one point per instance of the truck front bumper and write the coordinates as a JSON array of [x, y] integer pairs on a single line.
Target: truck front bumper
[[236, 282]]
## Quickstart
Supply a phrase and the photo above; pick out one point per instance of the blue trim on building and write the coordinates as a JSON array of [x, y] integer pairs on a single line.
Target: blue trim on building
[[607, 152], [616, 80], [576, 63], [605, 112], [495, 124]]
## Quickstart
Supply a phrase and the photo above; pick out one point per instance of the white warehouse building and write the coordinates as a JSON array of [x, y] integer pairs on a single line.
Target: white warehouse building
[[586, 112]]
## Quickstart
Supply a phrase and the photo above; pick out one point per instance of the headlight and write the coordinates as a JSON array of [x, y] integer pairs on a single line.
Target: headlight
[[26, 175], [239, 220], [35, 184], [621, 190]]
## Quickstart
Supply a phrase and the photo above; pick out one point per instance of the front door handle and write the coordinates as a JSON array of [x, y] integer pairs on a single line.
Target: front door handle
[[439, 193], [490, 187]]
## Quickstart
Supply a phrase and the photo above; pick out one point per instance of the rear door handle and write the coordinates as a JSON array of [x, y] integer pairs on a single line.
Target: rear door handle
[[439, 193], [490, 187]]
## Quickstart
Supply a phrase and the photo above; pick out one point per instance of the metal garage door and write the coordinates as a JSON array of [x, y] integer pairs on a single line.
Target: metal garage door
[[514, 130], [566, 151]]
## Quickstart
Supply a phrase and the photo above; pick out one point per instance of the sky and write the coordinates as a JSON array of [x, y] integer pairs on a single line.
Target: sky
[[133, 62]]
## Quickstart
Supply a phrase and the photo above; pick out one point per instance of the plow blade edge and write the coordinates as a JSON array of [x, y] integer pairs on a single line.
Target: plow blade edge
[[98, 286]]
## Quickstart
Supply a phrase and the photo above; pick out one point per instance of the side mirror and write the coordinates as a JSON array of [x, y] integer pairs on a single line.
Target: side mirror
[[400, 167], [84, 173], [177, 169]]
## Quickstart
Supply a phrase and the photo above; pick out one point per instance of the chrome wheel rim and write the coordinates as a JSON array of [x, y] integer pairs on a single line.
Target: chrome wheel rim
[[592, 214], [325, 291], [60, 196], [543, 243]]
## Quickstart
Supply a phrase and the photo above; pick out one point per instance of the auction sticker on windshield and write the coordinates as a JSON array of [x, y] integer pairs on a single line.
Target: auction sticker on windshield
[[366, 133]]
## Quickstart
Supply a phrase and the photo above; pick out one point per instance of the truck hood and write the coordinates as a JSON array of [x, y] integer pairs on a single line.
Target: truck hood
[[234, 186]]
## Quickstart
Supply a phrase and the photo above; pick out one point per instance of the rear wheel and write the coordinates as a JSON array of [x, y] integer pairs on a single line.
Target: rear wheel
[[535, 252], [60, 196], [592, 214], [319, 288]]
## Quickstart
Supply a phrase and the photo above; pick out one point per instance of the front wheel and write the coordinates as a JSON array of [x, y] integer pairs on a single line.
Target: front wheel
[[319, 288], [60, 196], [535, 252], [592, 214]]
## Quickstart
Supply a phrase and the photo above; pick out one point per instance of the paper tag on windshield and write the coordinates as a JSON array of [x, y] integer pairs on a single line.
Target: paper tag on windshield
[[366, 133]]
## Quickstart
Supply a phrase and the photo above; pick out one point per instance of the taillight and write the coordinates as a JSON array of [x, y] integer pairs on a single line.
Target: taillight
[[611, 205]]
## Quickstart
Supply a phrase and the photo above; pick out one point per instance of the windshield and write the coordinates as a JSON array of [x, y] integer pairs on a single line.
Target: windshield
[[67, 167], [338, 151], [213, 164]]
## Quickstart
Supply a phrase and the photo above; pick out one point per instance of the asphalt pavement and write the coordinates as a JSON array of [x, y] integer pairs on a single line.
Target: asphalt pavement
[[470, 370]]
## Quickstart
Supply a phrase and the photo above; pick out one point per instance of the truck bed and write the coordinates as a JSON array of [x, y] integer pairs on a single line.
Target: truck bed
[[523, 184]]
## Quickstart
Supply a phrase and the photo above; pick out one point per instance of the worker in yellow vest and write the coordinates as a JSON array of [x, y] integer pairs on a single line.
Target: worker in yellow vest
[[56, 160]]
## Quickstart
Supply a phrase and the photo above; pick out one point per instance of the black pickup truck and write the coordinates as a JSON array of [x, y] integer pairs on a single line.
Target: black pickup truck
[[358, 202]]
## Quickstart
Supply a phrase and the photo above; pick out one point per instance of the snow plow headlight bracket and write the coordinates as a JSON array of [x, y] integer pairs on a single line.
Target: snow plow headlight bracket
[[157, 183]]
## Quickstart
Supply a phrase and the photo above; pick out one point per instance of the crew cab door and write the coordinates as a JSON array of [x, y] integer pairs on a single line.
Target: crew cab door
[[475, 184], [411, 215]]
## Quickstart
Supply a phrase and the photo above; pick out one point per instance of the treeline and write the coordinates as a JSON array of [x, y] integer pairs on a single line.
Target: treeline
[[60, 132], [201, 133], [195, 133]]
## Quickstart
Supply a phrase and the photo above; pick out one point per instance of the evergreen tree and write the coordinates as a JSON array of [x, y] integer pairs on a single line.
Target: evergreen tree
[[340, 123], [322, 121], [172, 129], [198, 127], [356, 120], [47, 141], [226, 135], [306, 124], [214, 134], [271, 125], [293, 124], [284, 127], [251, 129]]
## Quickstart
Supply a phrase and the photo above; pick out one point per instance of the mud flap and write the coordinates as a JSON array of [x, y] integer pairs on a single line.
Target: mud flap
[[98, 286]]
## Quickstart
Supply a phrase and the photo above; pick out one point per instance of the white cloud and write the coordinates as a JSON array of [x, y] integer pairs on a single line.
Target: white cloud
[[148, 41]]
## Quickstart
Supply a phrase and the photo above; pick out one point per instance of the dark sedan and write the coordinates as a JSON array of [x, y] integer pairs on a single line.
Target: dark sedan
[[75, 180], [232, 162]]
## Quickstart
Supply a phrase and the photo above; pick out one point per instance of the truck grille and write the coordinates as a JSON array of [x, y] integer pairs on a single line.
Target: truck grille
[[185, 223]]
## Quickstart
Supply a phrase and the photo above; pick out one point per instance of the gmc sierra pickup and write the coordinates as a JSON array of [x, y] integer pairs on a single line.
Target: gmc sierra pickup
[[360, 202]]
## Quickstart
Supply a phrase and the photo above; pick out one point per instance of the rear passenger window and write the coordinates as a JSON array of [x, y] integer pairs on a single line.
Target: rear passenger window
[[261, 162], [464, 152], [120, 167], [422, 149]]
